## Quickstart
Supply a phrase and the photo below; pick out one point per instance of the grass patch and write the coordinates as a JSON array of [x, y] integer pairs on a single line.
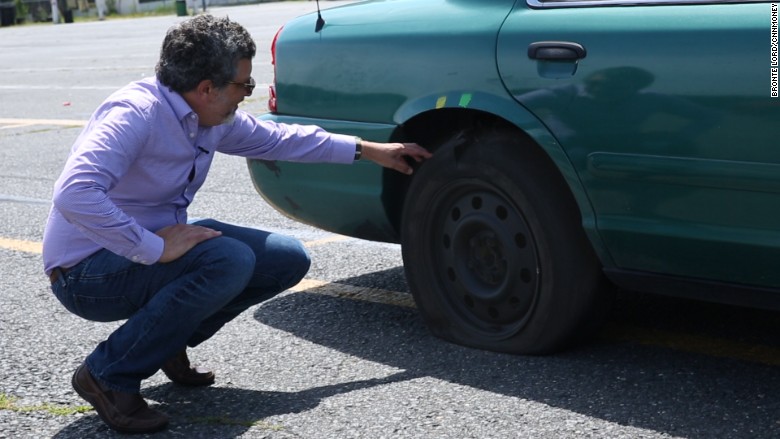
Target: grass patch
[[9, 403]]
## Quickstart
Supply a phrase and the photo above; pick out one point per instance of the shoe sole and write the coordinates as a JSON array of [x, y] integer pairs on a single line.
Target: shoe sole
[[190, 383]]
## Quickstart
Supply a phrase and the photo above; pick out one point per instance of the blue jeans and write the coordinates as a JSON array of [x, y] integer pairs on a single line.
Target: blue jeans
[[176, 304]]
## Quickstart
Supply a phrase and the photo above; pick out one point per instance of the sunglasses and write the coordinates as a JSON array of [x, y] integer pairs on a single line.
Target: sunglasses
[[248, 87]]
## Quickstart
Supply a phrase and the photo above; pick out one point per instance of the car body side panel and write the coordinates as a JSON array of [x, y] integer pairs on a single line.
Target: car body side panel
[[328, 195], [420, 67], [371, 59], [669, 122]]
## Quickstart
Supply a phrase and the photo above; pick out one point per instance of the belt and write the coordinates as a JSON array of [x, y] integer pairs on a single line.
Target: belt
[[56, 273]]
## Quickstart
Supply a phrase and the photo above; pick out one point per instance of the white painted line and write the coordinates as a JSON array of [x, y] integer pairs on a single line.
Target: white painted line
[[59, 87], [26, 87], [21, 125], [26, 200], [76, 68]]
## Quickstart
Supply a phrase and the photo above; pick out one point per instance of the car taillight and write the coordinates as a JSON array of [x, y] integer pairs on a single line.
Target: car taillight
[[272, 98], [272, 86]]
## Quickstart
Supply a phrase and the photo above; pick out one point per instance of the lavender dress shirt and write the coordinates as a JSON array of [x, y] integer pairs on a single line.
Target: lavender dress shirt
[[138, 163]]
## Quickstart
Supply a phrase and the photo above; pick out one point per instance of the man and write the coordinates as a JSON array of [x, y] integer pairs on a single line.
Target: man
[[117, 244]]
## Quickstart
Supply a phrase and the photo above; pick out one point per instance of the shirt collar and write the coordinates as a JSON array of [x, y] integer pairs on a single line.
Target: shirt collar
[[180, 107]]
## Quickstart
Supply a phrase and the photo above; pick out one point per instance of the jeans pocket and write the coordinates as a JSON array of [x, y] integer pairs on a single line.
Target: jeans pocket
[[102, 308]]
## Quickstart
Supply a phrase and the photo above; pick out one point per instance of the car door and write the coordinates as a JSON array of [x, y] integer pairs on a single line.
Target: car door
[[665, 111]]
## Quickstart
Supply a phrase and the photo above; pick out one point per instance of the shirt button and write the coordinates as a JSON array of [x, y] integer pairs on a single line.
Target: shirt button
[[192, 117], [192, 135]]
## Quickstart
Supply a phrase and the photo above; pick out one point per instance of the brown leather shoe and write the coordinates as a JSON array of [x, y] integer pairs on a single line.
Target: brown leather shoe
[[124, 412], [179, 371]]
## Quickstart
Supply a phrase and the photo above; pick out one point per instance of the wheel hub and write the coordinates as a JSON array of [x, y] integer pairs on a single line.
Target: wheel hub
[[490, 264], [486, 260]]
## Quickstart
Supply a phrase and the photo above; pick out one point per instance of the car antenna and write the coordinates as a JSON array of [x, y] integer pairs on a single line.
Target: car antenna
[[320, 21]]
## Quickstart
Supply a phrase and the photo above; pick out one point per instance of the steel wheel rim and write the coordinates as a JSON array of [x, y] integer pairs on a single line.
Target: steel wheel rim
[[485, 257]]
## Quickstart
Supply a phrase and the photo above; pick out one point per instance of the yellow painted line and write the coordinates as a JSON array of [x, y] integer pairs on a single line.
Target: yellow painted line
[[59, 122], [36, 247], [323, 241], [22, 246], [699, 344], [345, 291], [691, 343]]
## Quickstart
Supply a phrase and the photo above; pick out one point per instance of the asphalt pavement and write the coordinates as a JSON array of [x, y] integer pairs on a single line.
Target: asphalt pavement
[[345, 354]]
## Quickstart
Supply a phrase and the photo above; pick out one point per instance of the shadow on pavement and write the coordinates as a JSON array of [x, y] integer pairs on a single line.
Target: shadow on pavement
[[678, 393], [651, 387], [212, 412]]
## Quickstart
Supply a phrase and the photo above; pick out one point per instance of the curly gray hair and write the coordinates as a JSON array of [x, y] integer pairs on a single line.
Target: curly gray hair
[[204, 47]]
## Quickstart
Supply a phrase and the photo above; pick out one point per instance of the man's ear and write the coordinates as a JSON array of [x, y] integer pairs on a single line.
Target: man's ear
[[204, 89], [201, 96]]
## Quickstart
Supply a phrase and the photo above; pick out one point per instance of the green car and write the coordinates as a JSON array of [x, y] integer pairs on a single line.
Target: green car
[[578, 146]]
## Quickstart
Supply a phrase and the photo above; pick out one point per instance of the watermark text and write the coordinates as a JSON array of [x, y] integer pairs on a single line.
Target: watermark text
[[773, 61]]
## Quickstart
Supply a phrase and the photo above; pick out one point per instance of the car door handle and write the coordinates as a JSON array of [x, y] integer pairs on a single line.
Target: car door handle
[[556, 51]]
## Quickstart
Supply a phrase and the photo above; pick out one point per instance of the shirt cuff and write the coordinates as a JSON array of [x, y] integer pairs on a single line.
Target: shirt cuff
[[344, 148], [149, 251]]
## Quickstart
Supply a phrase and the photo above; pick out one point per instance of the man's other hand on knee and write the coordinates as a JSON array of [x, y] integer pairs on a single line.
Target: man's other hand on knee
[[181, 238]]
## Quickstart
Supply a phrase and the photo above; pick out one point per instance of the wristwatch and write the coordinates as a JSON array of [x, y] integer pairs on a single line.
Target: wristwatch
[[358, 148]]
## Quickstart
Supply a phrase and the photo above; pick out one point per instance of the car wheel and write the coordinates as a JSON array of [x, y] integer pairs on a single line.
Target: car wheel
[[494, 251]]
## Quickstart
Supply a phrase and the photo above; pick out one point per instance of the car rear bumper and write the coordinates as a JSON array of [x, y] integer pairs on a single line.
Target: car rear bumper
[[345, 199]]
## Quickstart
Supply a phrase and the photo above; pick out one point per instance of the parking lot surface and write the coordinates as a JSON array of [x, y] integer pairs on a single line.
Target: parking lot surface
[[344, 354]]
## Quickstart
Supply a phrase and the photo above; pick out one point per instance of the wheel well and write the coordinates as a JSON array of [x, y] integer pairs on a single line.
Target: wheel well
[[431, 129]]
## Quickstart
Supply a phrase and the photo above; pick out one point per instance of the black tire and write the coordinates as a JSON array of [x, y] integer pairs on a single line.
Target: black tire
[[494, 250]]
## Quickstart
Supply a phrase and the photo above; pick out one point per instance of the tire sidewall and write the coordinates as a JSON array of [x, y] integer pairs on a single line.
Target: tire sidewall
[[566, 264]]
